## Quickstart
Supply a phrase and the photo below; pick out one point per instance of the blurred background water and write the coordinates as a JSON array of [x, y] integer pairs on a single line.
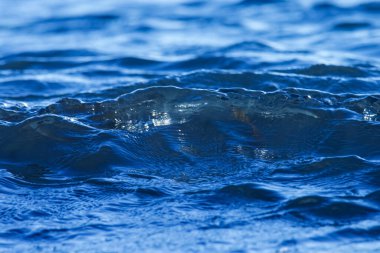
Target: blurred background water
[[189, 126]]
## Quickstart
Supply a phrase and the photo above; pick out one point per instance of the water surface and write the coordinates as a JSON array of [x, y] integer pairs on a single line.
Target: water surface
[[189, 126]]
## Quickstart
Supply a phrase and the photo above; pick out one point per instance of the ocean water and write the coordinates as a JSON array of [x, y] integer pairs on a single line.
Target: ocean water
[[189, 126]]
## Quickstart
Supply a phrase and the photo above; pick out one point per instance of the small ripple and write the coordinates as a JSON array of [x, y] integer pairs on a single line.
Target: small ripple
[[350, 26], [371, 233], [340, 175], [258, 2], [331, 70], [374, 197], [372, 7], [36, 64], [71, 23], [249, 192], [61, 53], [326, 208]]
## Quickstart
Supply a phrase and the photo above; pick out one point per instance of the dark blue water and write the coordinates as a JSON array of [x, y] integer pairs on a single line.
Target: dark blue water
[[189, 126]]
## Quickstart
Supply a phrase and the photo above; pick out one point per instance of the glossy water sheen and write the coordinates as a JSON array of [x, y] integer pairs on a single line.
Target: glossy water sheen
[[189, 126]]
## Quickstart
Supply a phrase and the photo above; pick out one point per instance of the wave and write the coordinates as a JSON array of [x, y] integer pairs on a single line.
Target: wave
[[86, 138], [250, 80]]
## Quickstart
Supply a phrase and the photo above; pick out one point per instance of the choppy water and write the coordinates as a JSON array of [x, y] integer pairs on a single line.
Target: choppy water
[[189, 126]]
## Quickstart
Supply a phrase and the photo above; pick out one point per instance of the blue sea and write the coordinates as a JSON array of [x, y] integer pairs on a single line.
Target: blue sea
[[190, 126]]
